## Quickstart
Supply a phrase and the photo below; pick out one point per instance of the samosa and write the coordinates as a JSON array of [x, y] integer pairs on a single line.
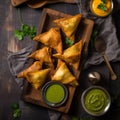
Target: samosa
[[43, 55], [37, 65], [51, 38], [72, 54], [69, 25], [63, 74], [38, 78]]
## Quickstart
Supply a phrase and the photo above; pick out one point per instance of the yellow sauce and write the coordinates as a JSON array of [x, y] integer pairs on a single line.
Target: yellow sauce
[[99, 12]]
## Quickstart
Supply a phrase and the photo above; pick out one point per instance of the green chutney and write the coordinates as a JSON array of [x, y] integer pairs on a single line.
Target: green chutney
[[96, 101], [55, 93]]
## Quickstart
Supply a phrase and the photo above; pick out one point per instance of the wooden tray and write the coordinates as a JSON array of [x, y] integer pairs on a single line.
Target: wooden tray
[[84, 32]]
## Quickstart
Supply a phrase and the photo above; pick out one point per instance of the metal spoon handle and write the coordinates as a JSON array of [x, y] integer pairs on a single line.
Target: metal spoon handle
[[113, 75]]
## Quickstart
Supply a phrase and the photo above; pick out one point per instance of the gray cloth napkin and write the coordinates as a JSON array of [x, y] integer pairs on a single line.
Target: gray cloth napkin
[[17, 62], [107, 32]]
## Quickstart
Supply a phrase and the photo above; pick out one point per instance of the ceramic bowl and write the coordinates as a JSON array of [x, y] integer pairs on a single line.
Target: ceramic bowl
[[96, 100], [54, 93], [95, 11]]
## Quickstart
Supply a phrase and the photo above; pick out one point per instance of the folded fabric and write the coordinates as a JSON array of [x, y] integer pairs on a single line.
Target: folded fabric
[[107, 31], [17, 62]]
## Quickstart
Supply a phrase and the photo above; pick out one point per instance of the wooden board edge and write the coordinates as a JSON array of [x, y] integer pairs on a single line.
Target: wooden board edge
[[43, 16]]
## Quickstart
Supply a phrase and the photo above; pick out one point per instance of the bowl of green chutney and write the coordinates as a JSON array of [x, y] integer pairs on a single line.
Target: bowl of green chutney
[[96, 100], [54, 93]]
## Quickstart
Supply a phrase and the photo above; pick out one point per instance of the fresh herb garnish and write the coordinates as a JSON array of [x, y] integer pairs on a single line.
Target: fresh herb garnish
[[104, 1], [87, 118], [74, 118], [68, 41], [16, 111], [93, 36], [102, 6], [25, 30]]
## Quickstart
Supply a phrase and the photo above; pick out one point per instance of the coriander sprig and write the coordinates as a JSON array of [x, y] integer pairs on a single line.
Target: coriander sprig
[[68, 41], [25, 30], [93, 37], [102, 5], [104, 1], [16, 111]]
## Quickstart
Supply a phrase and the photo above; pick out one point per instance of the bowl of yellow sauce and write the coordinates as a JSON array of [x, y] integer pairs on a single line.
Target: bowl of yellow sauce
[[96, 100], [54, 93], [101, 8]]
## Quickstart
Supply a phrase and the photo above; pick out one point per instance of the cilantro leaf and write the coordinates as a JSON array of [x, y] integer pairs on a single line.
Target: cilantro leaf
[[87, 118], [93, 36], [25, 30], [15, 106], [68, 41], [16, 111], [33, 29], [19, 34], [102, 6], [75, 118], [32, 32], [104, 1]]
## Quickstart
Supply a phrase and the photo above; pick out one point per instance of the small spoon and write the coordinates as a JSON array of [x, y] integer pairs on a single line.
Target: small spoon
[[100, 46]]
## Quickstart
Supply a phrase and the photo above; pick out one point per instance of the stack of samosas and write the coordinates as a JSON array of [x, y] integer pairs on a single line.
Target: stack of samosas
[[53, 61]]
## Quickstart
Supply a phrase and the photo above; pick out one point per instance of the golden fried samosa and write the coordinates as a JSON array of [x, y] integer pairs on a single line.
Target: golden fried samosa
[[72, 54], [37, 65], [43, 54], [69, 25], [37, 78], [63, 74], [51, 38]]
